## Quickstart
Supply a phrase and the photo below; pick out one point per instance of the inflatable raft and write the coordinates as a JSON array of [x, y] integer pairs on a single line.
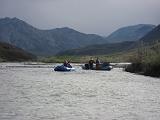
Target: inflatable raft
[[103, 66], [63, 68]]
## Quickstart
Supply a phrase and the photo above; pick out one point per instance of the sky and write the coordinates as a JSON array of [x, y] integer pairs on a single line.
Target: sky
[[88, 16]]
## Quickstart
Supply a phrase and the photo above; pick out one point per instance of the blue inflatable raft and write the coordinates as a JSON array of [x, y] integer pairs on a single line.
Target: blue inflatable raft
[[63, 68]]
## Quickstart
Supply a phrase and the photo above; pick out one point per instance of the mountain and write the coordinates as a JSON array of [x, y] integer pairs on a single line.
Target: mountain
[[44, 42], [51, 42], [130, 33], [109, 48], [104, 49], [152, 36], [11, 53]]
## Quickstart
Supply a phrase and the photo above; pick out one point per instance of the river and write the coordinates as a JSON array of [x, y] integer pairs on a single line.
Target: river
[[31, 92]]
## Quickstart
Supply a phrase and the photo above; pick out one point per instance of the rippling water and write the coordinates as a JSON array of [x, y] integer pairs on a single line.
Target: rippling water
[[29, 92]]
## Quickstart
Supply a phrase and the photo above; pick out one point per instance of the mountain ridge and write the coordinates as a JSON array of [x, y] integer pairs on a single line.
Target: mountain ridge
[[44, 42], [48, 42], [150, 38], [130, 33]]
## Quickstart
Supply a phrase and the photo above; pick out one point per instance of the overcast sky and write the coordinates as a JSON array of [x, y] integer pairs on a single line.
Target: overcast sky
[[89, 16]]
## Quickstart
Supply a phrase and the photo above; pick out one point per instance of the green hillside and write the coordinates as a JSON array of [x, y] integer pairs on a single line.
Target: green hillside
[[11, 53], [104, 49]]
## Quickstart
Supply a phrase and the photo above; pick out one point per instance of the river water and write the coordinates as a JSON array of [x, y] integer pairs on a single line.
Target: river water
[[30, 92]]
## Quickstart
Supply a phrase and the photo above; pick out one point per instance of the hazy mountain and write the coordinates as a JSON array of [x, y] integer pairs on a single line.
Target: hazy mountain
[[104, 49], [44, 42], [152, 36], [11, 53], [109, 48], [130, 33], [51, 42]]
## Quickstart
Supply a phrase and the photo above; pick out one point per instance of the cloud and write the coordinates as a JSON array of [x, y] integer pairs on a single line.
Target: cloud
[[90, 16]]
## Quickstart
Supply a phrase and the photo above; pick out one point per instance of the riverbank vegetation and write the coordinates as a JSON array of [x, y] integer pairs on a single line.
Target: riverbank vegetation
[[146, 61]]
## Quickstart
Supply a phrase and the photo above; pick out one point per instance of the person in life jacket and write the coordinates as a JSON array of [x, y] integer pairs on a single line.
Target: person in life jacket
[[97, 64], [91, 62]]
